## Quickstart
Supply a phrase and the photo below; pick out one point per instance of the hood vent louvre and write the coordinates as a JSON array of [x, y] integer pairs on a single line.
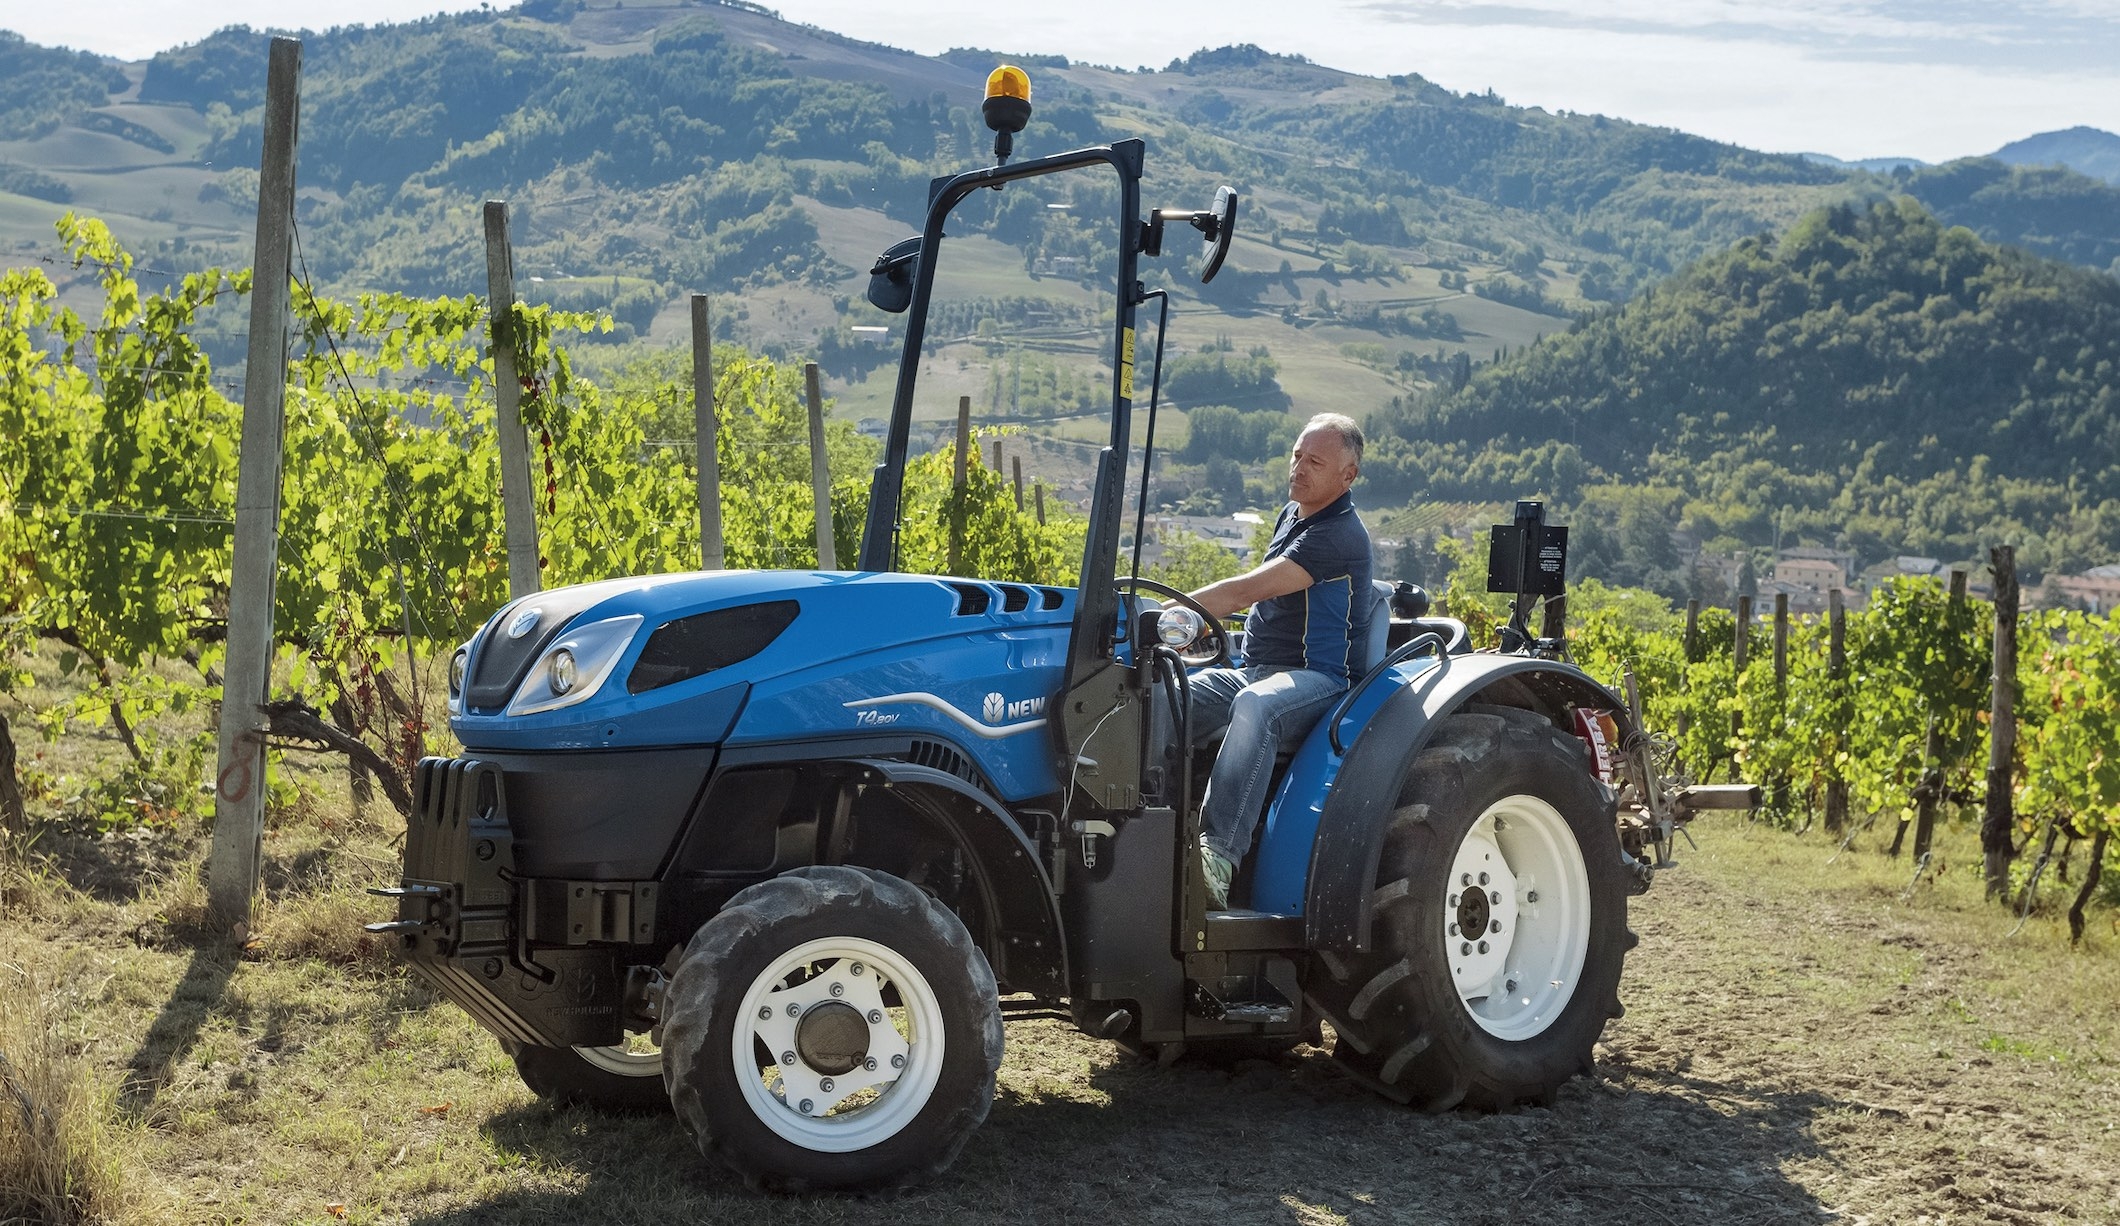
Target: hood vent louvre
[[972, 600]]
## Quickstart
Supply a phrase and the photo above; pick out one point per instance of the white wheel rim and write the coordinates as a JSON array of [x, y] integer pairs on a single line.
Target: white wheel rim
[[623, 1060], [1533, 905], [835, 1110]]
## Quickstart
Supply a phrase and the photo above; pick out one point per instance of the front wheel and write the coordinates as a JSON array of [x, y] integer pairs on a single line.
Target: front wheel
[[624, 1078], [832, 1028], [1499, 924]]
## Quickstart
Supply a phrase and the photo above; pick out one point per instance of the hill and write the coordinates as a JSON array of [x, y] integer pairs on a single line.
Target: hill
[[2089, 151], [1395, 234], [1872, 379]]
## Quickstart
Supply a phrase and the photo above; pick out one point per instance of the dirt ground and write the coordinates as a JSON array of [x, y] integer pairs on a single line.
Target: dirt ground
[[1803, 1044]]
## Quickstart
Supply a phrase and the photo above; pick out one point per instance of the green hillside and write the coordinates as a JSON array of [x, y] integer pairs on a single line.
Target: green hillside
[[1395, 237], [1872, 379]]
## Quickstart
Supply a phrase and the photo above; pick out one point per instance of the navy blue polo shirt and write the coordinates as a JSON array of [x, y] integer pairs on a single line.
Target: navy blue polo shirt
[[1318, 627]]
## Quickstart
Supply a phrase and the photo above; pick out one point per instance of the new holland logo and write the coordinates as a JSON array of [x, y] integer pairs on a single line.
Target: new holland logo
[[996, 708]]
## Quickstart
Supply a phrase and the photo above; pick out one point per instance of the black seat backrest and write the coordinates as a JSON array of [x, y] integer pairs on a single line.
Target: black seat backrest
[[1372, 647]]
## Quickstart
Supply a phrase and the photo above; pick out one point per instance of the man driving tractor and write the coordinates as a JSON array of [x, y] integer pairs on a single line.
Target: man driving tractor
[[1310, 611]]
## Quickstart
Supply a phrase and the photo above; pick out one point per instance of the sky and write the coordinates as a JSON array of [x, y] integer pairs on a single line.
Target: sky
[[1929, 79]]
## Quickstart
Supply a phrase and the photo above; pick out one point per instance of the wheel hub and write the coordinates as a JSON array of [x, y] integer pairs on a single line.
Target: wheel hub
[[1517, 917], [819, 1050], [832, 1038]]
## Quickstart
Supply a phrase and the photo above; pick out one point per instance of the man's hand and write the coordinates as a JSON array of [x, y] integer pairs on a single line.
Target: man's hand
[[1276, 578]]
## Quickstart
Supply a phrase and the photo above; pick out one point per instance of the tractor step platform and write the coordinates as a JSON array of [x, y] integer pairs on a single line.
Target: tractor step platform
[[1266, 1007], [1242, 929]]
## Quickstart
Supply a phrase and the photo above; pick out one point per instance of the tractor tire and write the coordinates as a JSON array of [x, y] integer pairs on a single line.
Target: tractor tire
[[1501, 826], [613, 1079], [833, 1028]]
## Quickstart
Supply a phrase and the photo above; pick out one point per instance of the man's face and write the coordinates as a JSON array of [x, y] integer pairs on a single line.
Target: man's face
[[1321, 468]]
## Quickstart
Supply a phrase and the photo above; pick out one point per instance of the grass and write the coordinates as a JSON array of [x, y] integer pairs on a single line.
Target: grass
[[1806, 1041]]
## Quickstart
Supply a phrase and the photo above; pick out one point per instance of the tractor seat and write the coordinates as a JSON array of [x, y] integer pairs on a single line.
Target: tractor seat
[[1366, 654]]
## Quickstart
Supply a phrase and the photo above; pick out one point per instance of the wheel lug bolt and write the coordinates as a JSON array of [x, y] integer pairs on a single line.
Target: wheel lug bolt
[[1483, 947], [1497, 926], [1495, 898], [1465, 947], [856, 969], [825, 1085], [787, 1057], [764, 1012], [1453, 900], [869, 1064], [794, 1010], [807, 1106], [897, 1061], [1532, 896], [875, 1017], [1509, 985], [1483, 879], [839, 989], [1499, 824], [1464, 878], [1453, 929]]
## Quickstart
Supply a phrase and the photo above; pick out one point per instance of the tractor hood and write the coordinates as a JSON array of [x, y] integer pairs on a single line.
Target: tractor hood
[[713, 656]]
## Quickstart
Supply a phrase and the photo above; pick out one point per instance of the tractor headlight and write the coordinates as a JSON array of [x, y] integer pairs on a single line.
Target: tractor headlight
[[575, 666], [459, 675], [1178, 626]]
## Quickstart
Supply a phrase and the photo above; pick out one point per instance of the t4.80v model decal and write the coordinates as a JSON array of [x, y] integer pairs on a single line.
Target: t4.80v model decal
[[996, 708]]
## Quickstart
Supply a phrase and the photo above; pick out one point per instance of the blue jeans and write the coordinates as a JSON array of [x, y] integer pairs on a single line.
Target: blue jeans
[[1263, 708]]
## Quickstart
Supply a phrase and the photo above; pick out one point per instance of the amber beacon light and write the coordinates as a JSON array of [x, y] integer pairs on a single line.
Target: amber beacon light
[[1007, 107]]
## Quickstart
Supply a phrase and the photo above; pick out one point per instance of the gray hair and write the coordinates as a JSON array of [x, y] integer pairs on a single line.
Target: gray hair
[[1350, 434]]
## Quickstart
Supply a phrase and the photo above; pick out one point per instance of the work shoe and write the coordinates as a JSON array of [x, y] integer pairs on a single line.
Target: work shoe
[[1218, 871]]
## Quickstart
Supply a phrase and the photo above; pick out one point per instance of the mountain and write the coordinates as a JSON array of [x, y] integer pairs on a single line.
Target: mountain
[[1877, 165], [1871, 379], [2089, 151]]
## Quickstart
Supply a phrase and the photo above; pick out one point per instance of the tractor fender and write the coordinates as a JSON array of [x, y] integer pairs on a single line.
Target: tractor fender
[[1027, 947], [1365, 792]]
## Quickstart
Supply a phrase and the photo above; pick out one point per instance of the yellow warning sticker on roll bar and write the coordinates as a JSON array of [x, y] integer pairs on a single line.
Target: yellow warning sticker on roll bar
[[1126, 363]]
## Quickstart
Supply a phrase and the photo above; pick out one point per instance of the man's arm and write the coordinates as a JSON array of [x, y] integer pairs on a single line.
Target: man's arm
[[1276, 578]]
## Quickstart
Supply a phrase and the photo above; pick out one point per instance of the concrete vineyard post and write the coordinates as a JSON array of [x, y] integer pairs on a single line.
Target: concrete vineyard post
[[518, 499], [1998, 818], [820, 474], [239, 779]]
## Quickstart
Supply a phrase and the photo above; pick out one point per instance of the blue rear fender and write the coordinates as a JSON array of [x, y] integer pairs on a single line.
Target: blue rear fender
[[1325, 827]]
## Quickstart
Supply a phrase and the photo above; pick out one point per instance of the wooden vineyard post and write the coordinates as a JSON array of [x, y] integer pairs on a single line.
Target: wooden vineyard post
[[820, 473], [1038, 497], [711, 554], [957, 482], [1553, 617], [1739, 655], [1016, 463], [518, 501], [239, 780], [1837, 677], [1692, 653], [997, 456], [1998, 817], [1928, 793], [1781, 647]]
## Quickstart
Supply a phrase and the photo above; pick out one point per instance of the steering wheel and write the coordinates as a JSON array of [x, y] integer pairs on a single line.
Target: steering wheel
[[1209, 648]]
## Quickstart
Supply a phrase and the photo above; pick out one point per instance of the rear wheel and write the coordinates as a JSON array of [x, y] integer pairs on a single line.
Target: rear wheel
[[832, 1028], [1499, 923]]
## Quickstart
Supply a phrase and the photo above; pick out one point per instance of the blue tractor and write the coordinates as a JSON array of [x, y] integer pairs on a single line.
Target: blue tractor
[[771, 847]]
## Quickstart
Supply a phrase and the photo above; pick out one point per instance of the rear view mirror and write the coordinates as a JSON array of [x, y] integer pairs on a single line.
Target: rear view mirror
[[891, 280], [1218, 226]]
